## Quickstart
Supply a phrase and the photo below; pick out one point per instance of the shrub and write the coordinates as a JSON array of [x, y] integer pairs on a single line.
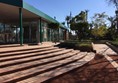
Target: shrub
[[115, 43], [82, 46]]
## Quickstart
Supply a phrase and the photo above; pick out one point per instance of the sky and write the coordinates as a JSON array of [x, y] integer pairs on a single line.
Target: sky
[[61, 8]]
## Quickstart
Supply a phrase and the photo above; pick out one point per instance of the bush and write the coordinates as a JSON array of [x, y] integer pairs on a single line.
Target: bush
[[100, 41], [84, 47], [67, 44], [77, 45], [115, 43]]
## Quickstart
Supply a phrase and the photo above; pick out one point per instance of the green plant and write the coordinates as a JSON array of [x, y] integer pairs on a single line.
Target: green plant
[[80, 25], [84, 47], [78, 45], [115, 43]]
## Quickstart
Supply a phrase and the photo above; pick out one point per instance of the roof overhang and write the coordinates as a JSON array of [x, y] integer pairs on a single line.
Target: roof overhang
[[9, 10], [38, 12], [11, 13], [13, 2], [63, 26]]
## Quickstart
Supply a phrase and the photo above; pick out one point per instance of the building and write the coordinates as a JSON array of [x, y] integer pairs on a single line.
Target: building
[[22, 23]]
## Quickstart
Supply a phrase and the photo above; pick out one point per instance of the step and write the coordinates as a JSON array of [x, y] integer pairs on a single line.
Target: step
[[39, 78], [8, 54], [44, 68], [10, 45], [23, 54], [34, 57], [20, 67], [10, 50]]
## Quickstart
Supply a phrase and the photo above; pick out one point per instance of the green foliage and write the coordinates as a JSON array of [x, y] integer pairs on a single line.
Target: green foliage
[[115, 43], [99, 19], [81, 29], [99, 32], [63, 23], [81, 17], [80, 25], [83, 46], [68, 18], [112, 31], [53, 25]]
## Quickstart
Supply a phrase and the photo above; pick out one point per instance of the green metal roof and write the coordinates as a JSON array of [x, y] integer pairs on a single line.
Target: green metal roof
[[41, 14], [38, 12], [63, 26]]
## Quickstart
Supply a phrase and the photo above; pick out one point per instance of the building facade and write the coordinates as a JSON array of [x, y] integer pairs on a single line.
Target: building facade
[[22, 23]]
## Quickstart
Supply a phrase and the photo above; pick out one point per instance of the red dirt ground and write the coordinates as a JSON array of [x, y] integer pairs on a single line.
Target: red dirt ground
[[99, 70]]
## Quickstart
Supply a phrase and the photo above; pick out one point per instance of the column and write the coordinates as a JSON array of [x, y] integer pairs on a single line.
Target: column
[[41, 39], [67, 35], [50, 34], [30, 32], [21, 26], [4, 33], [38, 32], [58, 34]]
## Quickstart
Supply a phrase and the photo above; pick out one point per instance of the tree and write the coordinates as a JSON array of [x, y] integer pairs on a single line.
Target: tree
[[111, 20], [99, 19], [63, 23], [81, 17], [114, 2], [112, 29], [99, 25], [68, 20], [99, 32], [86, 11], [80, 25]]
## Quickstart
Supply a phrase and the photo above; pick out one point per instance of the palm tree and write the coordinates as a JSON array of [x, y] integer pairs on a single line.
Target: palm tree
[[86, 11], [114, 2], [111, 20], [68, 20], [63, 23]]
